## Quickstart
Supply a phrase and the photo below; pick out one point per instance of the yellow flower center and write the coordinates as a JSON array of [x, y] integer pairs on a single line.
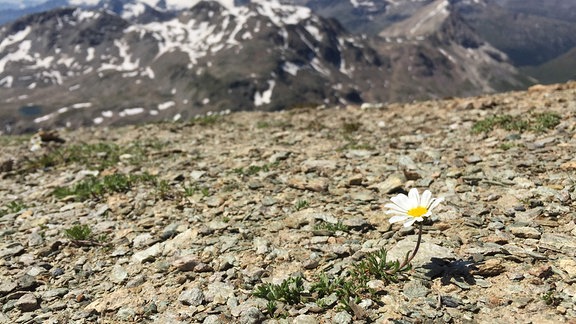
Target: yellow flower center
[[417, 211]]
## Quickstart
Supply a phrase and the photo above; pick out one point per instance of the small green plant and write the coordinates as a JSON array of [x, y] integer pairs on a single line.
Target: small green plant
[[79, 233], [97, 156], [375, 265], [190, 190], [358, 146], [325, 285], [534, 122], [206, 120], [230, 187], [82, 235], [350, 287], [300, 204], [93, 187], [289, 291], [254, 169], [16, 206], [506, 146], [163, 189], [544, 121], [331, 227], [349, 128], [205, 191], [551, 299], [262, 124], [271, 307]]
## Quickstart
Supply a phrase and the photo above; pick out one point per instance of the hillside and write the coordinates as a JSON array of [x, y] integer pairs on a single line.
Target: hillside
[[183, 222]]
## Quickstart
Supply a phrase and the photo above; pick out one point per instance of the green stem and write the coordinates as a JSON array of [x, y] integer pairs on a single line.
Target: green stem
[[408, 259]]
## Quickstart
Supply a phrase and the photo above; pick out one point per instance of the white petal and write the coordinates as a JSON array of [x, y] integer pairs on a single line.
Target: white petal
[[395, 212], [395, 208], [435, 202], [425, 199], [414, 197], [398, 218], [410, 222], [402, 201]]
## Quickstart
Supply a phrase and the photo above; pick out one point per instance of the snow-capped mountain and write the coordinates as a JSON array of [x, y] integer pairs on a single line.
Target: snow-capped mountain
[[264, 55], [126, 61]]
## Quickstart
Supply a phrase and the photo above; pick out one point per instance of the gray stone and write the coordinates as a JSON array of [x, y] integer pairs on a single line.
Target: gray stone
[[149, 254], [305, 319], [251, 315], [473, 159], [118, 274], [393, 183], [187, 262], [7, 287], [355, 223], [27, 282], [261, 245], [136, 281], [142, 240], [54, 293], [425, 253], [342, 318], [191, 297], [351, 154], [214, 201], [569, 266], [212, 319], [126, 314], [363, 195], [35, 239], [525, 232], [415, 289], [219, 292], [36, 271], [322, 167], [27, 303], [11, 250], [559, 241]]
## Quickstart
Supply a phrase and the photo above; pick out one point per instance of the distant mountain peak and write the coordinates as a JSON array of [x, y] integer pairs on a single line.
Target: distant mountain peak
[[423, 23]]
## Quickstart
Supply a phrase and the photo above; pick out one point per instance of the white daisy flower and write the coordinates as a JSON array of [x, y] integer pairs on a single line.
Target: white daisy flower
[[412, 208]]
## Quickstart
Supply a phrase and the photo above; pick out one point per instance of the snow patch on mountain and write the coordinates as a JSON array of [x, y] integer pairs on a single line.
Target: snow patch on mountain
[[132, 10], [266, 96], [180, 4], [166, 105], [282, 14], [290, 68], [83, 2]]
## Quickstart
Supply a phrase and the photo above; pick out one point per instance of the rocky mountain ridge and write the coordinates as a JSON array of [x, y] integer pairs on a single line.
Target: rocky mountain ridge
[[184, 222], [137, 64]]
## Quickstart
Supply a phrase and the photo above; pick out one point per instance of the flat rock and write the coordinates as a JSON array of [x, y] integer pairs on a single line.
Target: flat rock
[[525, 232], [393, 183], [27, 303], [425, 253]]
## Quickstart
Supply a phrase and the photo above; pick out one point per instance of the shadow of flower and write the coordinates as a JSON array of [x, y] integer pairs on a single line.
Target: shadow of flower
[[450, 269]]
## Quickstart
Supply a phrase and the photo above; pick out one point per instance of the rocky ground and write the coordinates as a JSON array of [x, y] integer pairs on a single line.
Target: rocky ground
[[183, 222]]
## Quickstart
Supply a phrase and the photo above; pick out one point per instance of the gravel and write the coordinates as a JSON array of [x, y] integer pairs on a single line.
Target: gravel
[[254, 198]]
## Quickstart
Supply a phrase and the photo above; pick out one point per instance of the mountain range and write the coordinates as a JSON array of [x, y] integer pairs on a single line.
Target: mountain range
[[116, 62]]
